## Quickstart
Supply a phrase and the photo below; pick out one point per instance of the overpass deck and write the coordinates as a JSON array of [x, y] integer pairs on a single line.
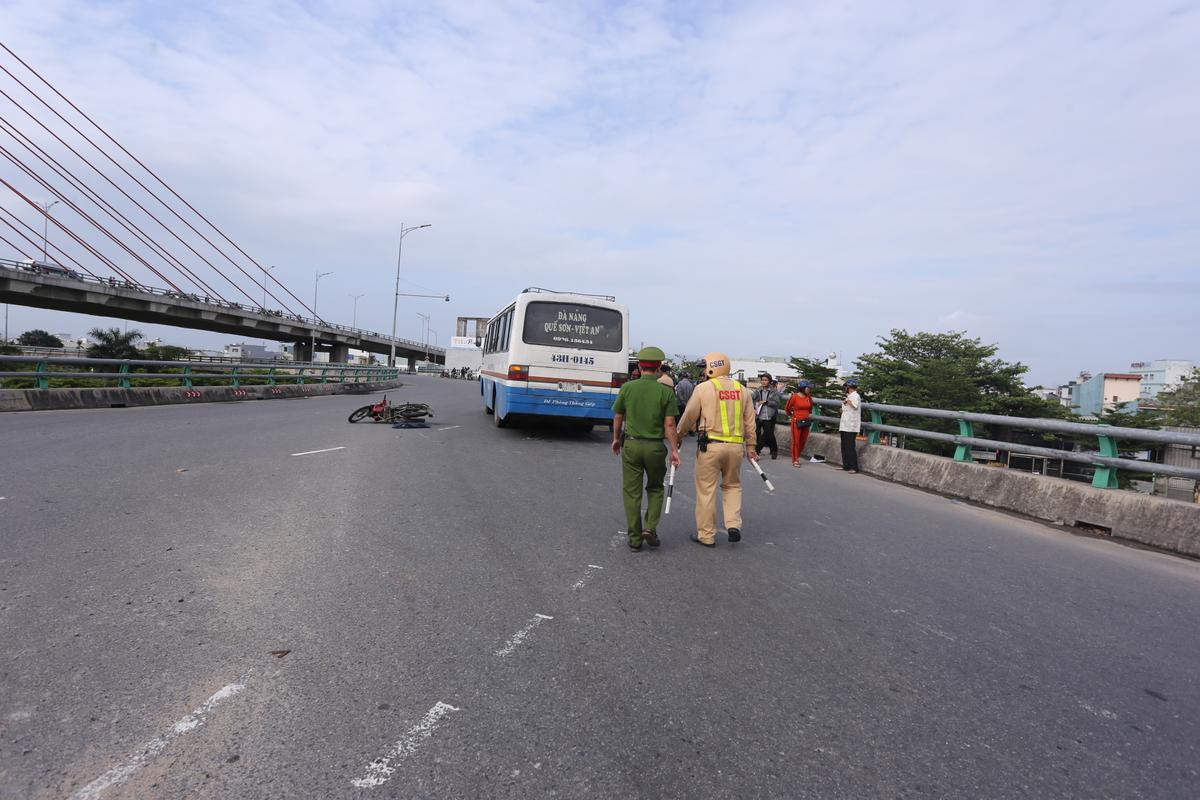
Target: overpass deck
[[123, 300], [271, 602]]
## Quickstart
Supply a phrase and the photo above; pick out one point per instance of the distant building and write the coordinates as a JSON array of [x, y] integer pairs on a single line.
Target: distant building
[[1097, 395], [1160, 375], [249, 352]]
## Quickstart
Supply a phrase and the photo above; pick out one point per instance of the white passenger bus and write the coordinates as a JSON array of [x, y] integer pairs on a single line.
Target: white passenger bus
[[555, 354]]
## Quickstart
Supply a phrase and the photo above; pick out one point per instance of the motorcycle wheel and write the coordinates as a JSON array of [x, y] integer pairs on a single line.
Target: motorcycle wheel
[[360, 413]]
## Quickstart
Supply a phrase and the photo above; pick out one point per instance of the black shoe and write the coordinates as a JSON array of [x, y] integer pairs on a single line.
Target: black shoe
[[650, 538], [774, 456], [696, 539], [735, 534], [635, 547]]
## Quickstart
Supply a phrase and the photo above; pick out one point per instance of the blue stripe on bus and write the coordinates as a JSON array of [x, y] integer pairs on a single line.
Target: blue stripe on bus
[[548, 402]]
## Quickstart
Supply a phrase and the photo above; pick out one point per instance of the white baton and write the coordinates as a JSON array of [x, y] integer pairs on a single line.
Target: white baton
[[762, 475], [670, 488]]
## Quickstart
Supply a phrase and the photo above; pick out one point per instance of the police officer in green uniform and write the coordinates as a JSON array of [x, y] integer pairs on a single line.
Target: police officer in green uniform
[[645, 411]]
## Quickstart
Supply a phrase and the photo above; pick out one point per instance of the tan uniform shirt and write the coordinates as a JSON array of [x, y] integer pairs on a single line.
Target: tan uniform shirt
[[703, 412], [666, 381]]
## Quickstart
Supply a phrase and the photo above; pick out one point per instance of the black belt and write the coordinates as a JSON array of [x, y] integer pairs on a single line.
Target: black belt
[[647, 438]]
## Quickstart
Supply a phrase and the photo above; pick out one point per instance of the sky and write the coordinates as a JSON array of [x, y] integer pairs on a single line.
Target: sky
[[758, 178]]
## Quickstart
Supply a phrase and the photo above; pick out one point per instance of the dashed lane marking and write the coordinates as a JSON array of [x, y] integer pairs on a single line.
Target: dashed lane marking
[[314, 452], [517, 638], [155, 746], [381, 770], [587, 576]]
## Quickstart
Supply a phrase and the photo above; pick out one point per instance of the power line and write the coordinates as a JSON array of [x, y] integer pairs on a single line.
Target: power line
[[142, 185]]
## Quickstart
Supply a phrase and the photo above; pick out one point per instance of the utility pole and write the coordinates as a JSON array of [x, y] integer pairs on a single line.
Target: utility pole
[[396, 297], [46, 226], [354, 318], [316, 320]]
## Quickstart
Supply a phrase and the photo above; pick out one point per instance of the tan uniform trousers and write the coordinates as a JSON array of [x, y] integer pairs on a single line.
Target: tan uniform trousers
[[722, 462]]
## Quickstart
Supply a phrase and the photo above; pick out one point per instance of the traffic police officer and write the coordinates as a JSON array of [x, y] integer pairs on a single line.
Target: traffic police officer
[[645, 412], [722, 410]]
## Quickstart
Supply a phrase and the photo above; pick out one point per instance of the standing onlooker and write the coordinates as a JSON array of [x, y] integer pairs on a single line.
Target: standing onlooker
[[850, 425], [799, 409], [664, 377], [766, 407], [683, 390]]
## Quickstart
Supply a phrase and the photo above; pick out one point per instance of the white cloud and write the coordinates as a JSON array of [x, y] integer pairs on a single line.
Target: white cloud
[[752, 178]]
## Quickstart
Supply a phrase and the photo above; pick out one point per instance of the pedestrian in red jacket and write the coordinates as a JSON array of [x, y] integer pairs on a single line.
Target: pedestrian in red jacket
[[799, 409]]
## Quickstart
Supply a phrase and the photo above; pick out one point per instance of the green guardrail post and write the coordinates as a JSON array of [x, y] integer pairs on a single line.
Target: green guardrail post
[[1106, 477], [324, 374], [187, 376], [236, 379], [962, 452], [123, 381], [42, 381], [342, 375], [271, 377], [874, 436]]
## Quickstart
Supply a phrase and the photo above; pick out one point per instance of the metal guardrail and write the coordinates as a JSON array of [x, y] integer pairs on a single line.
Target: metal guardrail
[[1107, 461], [237, 373], [119, 283]]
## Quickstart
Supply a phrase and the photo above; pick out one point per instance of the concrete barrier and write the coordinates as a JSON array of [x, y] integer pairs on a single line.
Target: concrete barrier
[[111, 397], [1170, 525]]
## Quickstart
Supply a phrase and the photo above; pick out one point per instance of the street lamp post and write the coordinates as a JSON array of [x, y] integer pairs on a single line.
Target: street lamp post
[[354, 318], [396, 298], [46, 225], [266, 270], [316, 319]]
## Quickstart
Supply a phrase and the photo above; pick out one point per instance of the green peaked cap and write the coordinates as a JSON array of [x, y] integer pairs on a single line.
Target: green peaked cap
[[651, 354]]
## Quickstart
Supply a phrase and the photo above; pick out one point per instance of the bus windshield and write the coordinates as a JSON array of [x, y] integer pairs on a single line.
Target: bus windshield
[[572, 325]]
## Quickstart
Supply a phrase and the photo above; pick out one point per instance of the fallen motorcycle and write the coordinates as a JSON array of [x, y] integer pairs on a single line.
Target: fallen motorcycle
[[412, 415]]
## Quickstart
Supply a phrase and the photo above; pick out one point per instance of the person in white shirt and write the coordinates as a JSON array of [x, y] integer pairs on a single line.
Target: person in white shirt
[[850, 425]]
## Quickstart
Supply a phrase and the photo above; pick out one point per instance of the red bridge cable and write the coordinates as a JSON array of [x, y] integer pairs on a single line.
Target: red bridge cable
[[104, 206], [49, 245], [34, 243], [125, 193], [82, 243], [146, 188], [13, 246], [63, 198], [139, 162]]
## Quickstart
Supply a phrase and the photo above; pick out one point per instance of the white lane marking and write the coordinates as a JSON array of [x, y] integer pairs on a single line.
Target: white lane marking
[[587, 576], [616, 540], [931, 630], [380, 770], [1103, 713], [155, 746], [449, 427], [326, 450], [519, 637], [818, 522]]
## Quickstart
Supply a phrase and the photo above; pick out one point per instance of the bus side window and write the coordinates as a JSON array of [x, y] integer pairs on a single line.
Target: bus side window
[[505, 327]]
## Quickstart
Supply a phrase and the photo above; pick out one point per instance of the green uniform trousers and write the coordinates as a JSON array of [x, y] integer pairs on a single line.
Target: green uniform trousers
[[643, 457]]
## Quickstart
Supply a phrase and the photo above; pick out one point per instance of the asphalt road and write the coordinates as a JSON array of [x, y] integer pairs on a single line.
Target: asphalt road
[[461, 618]]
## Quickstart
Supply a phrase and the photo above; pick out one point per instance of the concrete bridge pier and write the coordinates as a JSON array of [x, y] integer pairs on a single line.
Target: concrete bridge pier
[[339, 354], [412, 364], [302, 350]]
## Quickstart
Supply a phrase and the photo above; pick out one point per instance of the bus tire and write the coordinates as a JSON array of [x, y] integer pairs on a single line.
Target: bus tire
[[499, 421], [492, 408]]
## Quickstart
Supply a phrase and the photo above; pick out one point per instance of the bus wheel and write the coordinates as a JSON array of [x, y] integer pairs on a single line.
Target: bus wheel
[[498, 420], [492, 408]]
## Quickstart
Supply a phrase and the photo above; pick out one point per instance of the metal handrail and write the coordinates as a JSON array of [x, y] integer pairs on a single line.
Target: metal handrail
[[6, 263], [1106, 461], [236, 372]]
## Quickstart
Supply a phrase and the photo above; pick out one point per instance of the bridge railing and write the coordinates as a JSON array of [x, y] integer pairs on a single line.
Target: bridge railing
[[119, 283], [1106, 460], [186, 374]]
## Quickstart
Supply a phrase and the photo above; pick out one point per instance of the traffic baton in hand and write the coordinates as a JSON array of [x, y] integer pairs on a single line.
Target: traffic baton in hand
[[670, 488], [762, 475]]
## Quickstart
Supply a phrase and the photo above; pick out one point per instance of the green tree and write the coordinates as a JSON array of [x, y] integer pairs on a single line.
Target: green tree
[[949, 371], [165, 352], [9, 349], [113, 343], [39, 338], [823, 379], [1181, 405]]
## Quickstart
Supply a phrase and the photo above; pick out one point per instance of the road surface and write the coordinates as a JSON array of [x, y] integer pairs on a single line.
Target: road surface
[[259, 600]]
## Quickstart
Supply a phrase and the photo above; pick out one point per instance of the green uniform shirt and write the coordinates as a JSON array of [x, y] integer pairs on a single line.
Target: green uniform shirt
[[645, 404]]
